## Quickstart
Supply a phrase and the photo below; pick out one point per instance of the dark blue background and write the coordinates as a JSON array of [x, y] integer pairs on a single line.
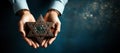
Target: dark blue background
[[88, 26]]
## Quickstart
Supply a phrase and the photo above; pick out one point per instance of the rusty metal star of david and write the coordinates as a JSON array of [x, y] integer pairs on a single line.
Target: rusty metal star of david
[[40, 29]]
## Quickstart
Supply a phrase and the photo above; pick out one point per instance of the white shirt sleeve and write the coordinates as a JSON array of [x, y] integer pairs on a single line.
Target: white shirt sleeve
[[22, 4], [59, 5], [19, 5]]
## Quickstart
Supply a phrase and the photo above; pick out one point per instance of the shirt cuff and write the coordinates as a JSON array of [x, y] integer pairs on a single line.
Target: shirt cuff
[[58, 5], [19, 5]]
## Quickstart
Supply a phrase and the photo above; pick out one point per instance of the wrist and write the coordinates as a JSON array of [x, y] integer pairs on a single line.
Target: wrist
[[23, 12], [54, 11]]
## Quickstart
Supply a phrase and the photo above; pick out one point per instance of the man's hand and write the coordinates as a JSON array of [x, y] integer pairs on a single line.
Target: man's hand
[[26, 16], [52, 16]]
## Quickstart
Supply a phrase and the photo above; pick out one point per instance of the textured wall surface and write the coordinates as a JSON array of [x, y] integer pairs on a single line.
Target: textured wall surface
[[88, 26]]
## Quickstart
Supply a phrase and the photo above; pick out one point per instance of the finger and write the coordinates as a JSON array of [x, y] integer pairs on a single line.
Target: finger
[[28, 41], [57, 29], [58, 26], [51, 40], [37, 44], [53, 26], [21, 29], [46, 17], [34, 44], [43, 42], [46, 44]]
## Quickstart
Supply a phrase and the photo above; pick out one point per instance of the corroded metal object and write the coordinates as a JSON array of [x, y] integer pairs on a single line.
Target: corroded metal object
[[39, 30]]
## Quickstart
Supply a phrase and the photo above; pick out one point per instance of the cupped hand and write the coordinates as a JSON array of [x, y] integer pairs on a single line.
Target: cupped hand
[[52, 16], [26, 16]]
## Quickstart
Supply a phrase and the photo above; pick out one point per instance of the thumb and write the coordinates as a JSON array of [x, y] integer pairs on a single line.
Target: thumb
[[21, 29], [57, 29]]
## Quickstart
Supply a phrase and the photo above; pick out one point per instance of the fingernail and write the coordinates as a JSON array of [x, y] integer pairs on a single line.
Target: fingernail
[[38, 45]]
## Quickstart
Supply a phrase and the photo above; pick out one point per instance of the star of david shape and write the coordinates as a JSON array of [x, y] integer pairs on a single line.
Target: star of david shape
[[40, 29]]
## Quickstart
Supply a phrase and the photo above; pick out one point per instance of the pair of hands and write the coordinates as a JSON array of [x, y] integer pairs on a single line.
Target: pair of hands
[[50, 16]]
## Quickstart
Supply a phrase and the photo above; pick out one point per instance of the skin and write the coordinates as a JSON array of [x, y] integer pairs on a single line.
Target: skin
[[50, 16]]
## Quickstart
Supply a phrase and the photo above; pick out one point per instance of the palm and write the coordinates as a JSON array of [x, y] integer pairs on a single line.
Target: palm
[[27, 18], [52, 17]]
